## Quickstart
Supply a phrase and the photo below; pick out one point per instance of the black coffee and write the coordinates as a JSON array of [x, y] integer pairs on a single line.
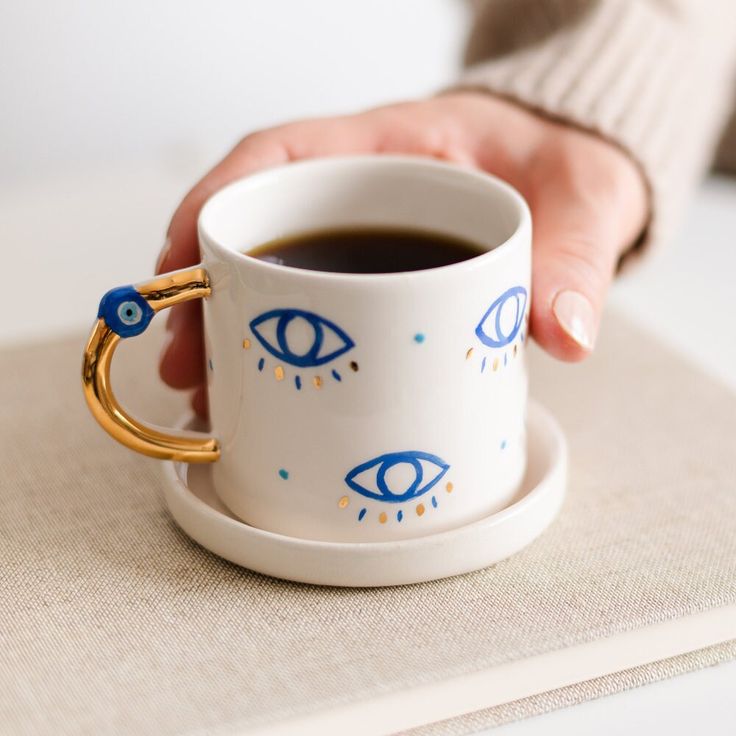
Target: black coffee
[[366, 250]]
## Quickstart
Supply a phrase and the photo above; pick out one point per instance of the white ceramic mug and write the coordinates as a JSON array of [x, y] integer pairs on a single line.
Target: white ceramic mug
[[348, 407]]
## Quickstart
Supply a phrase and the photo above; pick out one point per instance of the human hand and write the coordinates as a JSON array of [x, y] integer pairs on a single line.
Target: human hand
[[588, 202]]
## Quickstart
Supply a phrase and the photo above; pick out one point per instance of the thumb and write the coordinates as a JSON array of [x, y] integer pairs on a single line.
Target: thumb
[[577, 244]]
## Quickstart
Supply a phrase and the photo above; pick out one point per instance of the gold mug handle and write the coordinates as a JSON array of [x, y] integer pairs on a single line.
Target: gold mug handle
[[125, 312]]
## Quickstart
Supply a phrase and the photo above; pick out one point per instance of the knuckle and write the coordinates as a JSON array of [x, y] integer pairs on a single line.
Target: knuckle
[[270, 144], [596, 173], [420, 127], [588, 261]]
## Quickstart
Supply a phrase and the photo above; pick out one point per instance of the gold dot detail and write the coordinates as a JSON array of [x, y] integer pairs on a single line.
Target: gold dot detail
[[317, 381], [495, 364], [382, 517], [468, 354], [343, 502], [246, 344], [449, 487], [420, 509], [278, 373]]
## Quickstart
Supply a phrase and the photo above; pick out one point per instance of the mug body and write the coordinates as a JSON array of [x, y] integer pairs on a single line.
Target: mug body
[[367, 407]]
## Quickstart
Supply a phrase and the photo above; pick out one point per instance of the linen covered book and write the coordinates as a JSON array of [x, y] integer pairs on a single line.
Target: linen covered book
[[113, 621]]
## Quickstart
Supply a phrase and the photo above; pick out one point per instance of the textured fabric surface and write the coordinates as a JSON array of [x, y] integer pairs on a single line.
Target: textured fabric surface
[[656, 78], [113, 621]]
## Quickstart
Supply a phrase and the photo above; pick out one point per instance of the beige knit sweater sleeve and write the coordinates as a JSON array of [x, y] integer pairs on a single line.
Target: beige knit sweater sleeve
[[653, 76]]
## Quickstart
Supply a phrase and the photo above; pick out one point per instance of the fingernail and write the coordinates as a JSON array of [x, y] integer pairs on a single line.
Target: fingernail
[[575, 315], [163, 254]]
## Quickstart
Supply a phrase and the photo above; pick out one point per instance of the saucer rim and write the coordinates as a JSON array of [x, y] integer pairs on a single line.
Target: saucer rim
[[550, 487]]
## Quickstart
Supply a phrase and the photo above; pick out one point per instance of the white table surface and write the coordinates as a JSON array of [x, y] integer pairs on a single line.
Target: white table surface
[[68, 240]]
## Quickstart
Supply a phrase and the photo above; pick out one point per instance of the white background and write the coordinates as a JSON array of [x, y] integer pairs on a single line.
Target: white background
[[111, 110], [89, 83]]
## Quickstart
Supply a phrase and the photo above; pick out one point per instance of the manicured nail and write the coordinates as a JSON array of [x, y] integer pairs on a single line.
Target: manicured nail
[[576, 317], [163, 254]]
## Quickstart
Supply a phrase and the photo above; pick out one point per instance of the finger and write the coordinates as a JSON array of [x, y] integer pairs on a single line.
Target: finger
[[180, 314], [578, 238], [182, 360], [200, 403], [301, 140]]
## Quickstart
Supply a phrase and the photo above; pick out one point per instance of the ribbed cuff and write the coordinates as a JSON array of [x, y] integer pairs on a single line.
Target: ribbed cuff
[[651, 81]]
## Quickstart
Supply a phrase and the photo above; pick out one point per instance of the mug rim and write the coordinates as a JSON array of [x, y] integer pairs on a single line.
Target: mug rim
[[377, 160]]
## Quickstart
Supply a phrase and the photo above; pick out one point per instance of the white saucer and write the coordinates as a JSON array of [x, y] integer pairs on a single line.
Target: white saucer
[[191, 498]]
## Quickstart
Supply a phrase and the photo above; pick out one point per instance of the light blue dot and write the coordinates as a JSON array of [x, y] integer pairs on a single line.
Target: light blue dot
[[419, 337], [284, 474], [503, 444]]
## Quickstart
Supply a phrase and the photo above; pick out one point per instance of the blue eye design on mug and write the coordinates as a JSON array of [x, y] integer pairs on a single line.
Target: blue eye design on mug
[[413, 473], [125, 311], [503, 322], [504, 318], [301, 339], [395, 478], [325, 340]]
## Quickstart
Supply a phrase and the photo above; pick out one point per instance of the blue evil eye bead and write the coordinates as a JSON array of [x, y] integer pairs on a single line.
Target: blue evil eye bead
[[125, 311], [300, 338], [129, 313], [504, 318], [397, 476]]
